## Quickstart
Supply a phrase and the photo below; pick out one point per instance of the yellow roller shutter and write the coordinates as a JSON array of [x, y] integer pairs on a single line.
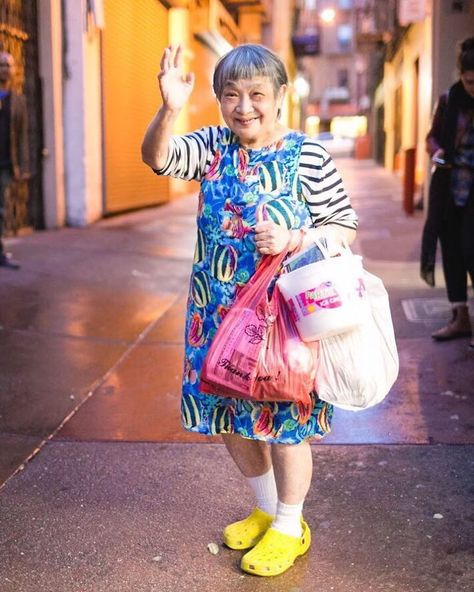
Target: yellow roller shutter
[[203, 65], [135, 34]]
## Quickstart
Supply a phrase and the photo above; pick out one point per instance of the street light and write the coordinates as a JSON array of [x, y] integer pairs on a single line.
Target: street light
[[327, 16], [301, 86], [302, 89]]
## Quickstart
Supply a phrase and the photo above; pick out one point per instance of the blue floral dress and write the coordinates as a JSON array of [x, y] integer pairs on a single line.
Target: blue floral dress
[[237, 182]]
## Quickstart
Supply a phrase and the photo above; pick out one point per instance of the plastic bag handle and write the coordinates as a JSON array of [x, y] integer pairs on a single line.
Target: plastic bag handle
[[322, 244]]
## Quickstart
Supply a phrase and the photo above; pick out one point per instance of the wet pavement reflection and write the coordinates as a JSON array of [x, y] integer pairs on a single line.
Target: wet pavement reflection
[[430, 402]]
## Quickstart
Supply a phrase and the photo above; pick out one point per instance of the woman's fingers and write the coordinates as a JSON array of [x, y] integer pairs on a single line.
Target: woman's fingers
[[171, 60], [264, 231], [266, 241], [163, 60], [263, 226], [271, 238], [177, 56], [171, 57]]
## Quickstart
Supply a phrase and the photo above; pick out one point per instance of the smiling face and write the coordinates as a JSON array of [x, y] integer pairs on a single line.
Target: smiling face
[[250, 109], [467, 79]]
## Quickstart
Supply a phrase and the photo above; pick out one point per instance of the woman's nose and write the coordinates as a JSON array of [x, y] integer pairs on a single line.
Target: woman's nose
[[244, 104]]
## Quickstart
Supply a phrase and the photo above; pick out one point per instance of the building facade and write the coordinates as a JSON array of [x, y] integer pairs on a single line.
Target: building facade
[[97, 65], [328, 58], [412, 49]]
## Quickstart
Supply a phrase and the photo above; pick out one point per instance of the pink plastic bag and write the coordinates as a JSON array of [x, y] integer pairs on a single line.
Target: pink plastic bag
[[241, 361], [229, 368], [286, 368]]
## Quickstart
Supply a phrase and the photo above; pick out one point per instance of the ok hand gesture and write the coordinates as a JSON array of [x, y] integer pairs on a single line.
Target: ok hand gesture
[[175, 86]]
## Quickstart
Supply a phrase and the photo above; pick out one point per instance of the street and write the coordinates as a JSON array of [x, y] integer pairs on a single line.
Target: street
[[116, 497]]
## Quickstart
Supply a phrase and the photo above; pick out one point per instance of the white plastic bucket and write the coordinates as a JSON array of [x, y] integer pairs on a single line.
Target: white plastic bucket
[[327, 297]]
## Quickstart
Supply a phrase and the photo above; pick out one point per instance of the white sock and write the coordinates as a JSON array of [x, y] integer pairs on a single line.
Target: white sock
[[288, 519], [264, 488], [458, 304]]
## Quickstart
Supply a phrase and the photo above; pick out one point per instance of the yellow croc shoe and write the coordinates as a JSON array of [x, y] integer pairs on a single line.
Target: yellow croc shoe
[[246, 533], [276, 552]]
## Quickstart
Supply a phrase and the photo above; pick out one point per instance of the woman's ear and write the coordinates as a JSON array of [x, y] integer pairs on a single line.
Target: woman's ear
[[279, 99], [281, 94]]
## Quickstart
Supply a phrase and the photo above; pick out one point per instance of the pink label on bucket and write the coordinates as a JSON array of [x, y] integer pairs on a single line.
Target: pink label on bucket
[[324, 296]]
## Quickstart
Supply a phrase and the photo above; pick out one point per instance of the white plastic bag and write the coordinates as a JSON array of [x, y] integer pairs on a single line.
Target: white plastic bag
[[357, 369]]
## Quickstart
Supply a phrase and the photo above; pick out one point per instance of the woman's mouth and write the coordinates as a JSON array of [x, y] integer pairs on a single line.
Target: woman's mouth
[[247, 121]]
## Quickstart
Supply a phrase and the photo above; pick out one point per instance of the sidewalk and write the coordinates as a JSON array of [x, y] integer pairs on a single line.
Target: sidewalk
[[119, 497]]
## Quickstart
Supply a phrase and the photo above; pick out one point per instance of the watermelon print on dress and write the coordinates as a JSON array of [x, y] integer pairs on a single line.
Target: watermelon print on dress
[[237, 183]]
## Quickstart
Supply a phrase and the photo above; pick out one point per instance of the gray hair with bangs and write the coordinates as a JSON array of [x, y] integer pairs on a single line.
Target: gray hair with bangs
[[246, 61]]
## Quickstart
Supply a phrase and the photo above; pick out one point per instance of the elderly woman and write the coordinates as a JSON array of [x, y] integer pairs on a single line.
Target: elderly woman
[[255, 160]]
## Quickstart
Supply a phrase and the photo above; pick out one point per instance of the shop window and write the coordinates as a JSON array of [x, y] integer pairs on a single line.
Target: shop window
[[344, 37], [343, 78]]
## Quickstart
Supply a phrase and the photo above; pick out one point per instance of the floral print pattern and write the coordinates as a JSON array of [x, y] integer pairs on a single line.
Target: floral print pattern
[[236, 185]]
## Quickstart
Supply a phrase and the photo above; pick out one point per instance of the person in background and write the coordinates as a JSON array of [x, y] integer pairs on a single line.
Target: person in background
[[252, 162], [14, 162], [450, 143]]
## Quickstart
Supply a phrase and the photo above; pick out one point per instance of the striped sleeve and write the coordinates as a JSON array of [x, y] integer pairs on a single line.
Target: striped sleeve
[[322, 187], [190, 155]]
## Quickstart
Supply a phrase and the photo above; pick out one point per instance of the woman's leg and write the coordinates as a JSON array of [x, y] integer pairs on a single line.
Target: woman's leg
[[251, 456], [468, 240], [253, 459], [289, 536], [455, 274], [452, 255], [293, 466]]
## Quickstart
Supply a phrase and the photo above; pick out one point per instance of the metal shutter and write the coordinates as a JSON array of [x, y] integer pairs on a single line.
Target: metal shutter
[[135, 34]]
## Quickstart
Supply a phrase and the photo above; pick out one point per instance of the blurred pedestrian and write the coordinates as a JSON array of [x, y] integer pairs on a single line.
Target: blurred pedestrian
[[450, 143], [14, 162], [255, 160]]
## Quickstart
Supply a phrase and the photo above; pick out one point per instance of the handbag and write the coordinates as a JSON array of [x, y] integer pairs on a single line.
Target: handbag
[[357, 369]]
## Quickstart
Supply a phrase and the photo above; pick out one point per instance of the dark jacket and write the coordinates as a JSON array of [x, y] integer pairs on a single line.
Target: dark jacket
[[436, 137], [449, 123]]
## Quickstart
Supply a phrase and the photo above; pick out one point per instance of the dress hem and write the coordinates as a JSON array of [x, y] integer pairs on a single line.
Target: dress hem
[[269, 440]]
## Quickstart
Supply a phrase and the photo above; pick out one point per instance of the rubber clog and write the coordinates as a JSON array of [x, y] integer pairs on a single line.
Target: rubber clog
[[246, 533], [276, 552]]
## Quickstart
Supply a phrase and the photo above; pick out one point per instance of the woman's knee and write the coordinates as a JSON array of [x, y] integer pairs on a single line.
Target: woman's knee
[[287, 450]]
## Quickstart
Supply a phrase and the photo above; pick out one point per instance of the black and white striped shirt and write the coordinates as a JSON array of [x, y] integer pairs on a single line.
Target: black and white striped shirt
[[191, 155]]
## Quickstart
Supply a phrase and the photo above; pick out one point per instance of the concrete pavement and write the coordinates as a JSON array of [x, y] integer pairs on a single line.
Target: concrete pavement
[[119, 498]]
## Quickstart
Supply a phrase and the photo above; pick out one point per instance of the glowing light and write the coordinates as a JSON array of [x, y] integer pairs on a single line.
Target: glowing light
[[301, 86], [328, 15], [312, 125]]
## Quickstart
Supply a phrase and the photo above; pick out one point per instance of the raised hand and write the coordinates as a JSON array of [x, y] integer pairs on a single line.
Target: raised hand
[[175, 86]]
